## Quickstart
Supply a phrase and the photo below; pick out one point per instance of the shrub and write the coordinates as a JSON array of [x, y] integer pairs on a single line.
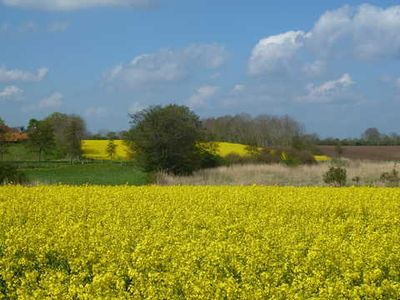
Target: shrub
[[9, 174], [335, 176], [391, 178], [293, 157]]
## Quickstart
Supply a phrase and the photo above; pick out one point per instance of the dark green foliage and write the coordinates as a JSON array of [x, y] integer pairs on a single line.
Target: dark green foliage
[[9, 174], [167, 139], [68, 132], [391, 178], [335, 176], [208, 156], [298, 157], [41, 137]]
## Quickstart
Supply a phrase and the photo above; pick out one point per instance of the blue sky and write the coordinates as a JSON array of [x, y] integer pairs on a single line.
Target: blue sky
[[333, 65]]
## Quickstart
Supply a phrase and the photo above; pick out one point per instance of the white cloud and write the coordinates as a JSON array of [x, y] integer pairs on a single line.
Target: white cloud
[[364, 32], [370, 31], [202, 94], [96, 112], [65, 5], [327, 91], [166, 66], [58, 26], [53, 101], [275, 51], [10, 75], [10, 92]]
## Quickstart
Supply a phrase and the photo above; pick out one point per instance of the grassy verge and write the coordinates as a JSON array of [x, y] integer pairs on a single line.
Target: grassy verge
[[367, 172], [94, 173]]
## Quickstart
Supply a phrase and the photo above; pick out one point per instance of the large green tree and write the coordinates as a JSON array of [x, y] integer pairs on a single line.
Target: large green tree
[[41, 137], [167, 139], [69, 130]]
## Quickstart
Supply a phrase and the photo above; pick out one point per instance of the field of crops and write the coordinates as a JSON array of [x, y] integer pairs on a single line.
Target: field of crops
[[251, 242], [96, 149]]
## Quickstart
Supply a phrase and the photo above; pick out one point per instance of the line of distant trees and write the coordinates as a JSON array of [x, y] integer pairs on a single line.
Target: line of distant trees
[[370, 137], [61, 134], [58, 134]]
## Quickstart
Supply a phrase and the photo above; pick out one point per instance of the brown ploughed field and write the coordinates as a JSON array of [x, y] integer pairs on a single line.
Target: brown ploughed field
[[365, 152]]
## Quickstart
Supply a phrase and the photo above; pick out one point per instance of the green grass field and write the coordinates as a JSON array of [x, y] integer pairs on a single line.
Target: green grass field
[[93, 173]]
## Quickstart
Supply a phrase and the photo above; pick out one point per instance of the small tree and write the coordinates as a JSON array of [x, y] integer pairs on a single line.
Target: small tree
[[111, 149], [41, 137], [167, 139], [9, 174], [335, 176]]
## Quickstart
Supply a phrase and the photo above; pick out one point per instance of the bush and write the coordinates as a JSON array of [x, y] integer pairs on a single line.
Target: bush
[[9, 174], [209, 157], [335, 176], [391, 178], [293, 157]]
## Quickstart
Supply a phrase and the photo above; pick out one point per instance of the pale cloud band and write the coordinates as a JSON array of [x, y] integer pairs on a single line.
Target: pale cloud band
[[167, 66], [328, 90], [66, 5], [12, 75], [10, 92]]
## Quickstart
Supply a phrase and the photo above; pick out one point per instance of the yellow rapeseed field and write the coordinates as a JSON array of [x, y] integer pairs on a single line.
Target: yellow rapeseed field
[[94, 242], [96, 149], [227, 148]]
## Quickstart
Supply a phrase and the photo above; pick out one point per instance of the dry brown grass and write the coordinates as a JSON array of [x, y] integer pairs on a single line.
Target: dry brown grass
[[369, 173]]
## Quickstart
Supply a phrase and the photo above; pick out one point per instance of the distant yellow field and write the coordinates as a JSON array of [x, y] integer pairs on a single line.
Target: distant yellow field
[[322, 158], [96, 149], [227, 148]]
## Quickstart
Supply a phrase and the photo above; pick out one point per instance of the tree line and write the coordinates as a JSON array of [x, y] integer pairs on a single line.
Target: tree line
[[59, 134]]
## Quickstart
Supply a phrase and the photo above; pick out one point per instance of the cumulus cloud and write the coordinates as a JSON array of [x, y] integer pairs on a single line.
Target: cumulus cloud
[[65, 5], [166, 66], [53, 101], [327, 91], [9, 92], [10, 75], [373, 32], [365, 32], [202, 95], [275, 51]]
